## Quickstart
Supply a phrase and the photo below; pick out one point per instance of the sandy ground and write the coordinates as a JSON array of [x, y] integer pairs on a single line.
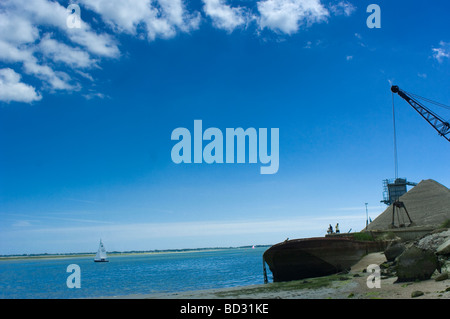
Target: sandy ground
[[352, 285], [390, 290]]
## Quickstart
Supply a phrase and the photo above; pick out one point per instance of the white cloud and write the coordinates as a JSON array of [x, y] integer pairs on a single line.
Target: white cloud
[[342, 8], [57, 80], [23, 40], [99, 44], [310, 44], [121, 15], [52, 14], [288, 15], [93, 95], [16, 29], [442, 52], [360, 40], [11, 89], [11, 53], [35, 36], [15, 34], [226, 17], [41, 12], [135, 16], [60, 52], [175, 13], [349, 57], [85, 75]]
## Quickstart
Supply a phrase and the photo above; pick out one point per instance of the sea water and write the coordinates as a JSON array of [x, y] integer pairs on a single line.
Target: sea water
[[133, 274]]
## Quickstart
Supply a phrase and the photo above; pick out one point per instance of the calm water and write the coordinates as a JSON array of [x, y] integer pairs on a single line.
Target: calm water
[[127, 275]]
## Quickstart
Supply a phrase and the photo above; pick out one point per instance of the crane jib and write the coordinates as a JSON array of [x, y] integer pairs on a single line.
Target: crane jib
[[441, 126]]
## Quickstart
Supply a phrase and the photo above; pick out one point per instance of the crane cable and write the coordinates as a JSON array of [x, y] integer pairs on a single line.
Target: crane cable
[[395, 139], [428, 100]]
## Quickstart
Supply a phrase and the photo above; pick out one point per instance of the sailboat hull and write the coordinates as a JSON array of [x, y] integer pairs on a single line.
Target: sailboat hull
[[101, 260]]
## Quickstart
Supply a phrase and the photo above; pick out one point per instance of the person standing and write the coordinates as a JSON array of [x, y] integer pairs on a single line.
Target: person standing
[[330, 229]]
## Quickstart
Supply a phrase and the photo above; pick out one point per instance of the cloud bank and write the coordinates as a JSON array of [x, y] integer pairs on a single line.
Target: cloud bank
[[36, 41]]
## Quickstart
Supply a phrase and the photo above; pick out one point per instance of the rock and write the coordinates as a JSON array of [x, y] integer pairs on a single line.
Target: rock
[[417, 293], [393, 250], [444, 248], [441, 277], [388, 269], [445, 265], [416, 264], [434, 240]]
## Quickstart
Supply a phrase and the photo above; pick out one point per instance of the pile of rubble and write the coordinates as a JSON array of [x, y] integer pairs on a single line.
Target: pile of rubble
[[420, 259]]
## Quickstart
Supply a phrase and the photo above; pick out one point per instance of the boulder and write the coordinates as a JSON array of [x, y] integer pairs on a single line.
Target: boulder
[[416, 264], [393, 250], [444, 248]]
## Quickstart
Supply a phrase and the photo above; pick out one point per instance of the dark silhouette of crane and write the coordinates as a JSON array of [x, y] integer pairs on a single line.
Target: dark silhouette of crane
[[439, 124], [394, 189]]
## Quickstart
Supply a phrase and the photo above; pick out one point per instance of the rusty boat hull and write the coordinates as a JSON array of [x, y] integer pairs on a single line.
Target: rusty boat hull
[[314, 257]]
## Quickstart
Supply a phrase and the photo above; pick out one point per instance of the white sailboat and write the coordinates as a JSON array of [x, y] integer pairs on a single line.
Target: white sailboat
[[101, 254]]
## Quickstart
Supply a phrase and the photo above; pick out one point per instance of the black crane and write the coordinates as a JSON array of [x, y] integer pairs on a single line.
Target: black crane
[[440, 125], [394, 189]]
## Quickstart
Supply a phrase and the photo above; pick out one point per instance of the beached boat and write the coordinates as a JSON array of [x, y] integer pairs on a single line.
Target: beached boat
[[101, 253], [314, 257]]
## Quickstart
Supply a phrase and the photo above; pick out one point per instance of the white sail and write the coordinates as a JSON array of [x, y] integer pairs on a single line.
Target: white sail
[[101, 252]]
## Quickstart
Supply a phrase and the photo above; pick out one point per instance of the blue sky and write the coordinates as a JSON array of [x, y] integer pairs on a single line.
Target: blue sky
[[86, 116]]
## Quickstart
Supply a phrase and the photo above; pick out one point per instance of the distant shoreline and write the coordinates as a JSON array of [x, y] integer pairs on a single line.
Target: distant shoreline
[[118, 254]]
